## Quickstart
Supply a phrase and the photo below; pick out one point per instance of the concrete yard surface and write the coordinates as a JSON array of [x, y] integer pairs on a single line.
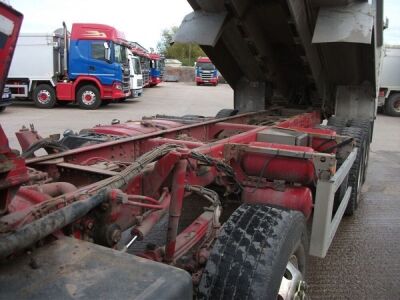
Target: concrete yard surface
[[363, 261]]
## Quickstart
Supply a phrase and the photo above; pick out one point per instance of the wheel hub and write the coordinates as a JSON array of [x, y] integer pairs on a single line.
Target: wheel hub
[[43, 96], [396, 106], [292, 285], [88, 97]]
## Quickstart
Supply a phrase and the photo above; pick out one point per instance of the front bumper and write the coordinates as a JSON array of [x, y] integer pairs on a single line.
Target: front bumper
[[136, 93]]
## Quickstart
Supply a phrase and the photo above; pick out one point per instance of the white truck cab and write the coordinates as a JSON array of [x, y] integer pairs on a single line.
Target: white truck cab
[[136, 80]]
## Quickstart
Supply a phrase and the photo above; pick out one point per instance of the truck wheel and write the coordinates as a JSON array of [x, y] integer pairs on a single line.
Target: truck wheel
[[88, 97], [260, 253], [366, 126], [392, 105], [44, 96], [356, 171], [338, 122], [2, 108]]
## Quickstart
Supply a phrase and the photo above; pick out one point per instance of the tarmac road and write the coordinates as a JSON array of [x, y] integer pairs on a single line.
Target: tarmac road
[[364, 259]]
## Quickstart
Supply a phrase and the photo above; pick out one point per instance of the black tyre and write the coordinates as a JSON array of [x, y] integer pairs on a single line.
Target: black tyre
[[367, 127], [338, 122], [44, 96], [2, 108], [356, 171], [88, 97], [226, 112], [392, 105], [259, 248]]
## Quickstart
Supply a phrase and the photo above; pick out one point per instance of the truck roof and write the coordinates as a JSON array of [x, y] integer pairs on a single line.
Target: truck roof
[[203, 59], [89, 31]]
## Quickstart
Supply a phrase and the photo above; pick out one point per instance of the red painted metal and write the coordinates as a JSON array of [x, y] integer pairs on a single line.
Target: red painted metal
[[141, 210], [175, 208], [27, 137], [275, 167], [296, 198], [87, 31]]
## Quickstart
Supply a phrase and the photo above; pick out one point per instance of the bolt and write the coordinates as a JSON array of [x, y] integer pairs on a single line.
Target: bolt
[[116, 236]]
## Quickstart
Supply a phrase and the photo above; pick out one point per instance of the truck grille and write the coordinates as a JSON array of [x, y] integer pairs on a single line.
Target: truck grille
[[126, 84], [206, 76], [139, 82]]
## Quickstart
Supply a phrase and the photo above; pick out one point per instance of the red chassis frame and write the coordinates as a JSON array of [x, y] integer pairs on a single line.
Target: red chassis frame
[[183, 161]]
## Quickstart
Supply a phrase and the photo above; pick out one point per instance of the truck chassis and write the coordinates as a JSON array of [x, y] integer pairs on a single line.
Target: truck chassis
[[248, 182]]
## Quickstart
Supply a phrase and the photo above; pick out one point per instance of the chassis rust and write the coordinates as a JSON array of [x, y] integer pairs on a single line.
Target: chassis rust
[[143, 178]]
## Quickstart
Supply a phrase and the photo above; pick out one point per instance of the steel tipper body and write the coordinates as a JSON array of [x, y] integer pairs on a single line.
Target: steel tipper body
[[389, 86], [88, 66], [205, 72]]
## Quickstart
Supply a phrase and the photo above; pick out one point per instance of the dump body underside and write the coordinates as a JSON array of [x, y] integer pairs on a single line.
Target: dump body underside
[[298, 52]]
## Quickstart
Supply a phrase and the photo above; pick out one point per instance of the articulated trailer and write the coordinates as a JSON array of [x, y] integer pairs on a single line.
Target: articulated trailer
[[174, 207]]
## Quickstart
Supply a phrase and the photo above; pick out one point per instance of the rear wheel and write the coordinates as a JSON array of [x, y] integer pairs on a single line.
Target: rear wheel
[[44, 96], [259, 254], [88, 97], [336, 121], [2, 108], [356, 171], [392, 105], [367, 127]]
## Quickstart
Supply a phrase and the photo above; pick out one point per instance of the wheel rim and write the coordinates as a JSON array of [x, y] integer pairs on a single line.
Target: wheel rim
[[88, 97], [292, 285], [44, 96], [396, 105]]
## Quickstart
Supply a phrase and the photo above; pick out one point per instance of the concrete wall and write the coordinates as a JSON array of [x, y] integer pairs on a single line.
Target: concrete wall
[[183, 74]]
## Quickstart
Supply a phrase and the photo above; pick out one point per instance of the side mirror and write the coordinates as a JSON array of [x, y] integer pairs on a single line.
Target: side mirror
[[107, 52], [386, 24]]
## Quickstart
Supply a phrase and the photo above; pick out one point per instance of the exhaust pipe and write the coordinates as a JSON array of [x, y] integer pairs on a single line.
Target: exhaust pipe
[[65, 50]]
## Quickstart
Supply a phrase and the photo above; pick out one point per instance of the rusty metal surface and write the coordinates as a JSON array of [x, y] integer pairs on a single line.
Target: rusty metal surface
[[72, 269], [364, 259]]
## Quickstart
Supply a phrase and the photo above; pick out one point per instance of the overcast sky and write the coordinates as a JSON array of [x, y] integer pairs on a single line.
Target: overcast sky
[[141, 21]]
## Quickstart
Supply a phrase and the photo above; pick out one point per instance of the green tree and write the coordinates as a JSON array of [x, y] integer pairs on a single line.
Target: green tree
[[186, 53]]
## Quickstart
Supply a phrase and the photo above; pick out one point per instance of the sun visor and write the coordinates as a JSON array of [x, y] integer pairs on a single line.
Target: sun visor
[[201, 28], [352, 23]]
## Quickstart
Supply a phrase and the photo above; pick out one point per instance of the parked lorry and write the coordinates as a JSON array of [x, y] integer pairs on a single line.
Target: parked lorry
[[389, 92], [211, 207], [205, 72], [143, 55], [136, 76], [87, 67], [156, 68]]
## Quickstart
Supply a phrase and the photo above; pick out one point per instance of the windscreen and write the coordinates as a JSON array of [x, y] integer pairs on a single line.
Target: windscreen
[[205, 66], [120, 54], [136, 66]]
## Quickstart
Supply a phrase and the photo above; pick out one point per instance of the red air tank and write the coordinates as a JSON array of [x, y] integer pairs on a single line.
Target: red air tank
[[274, 167]]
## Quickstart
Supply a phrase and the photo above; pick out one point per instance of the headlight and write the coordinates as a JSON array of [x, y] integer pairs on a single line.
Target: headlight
[[118, 86]]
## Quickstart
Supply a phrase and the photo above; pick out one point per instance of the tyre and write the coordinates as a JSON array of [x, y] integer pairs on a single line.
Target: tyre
[[260, 253], [367, 127], [338, 122], [2, 108], [198, 83], [392, 105], [356, 171], [226, 112], [44, 96], [88, 97]]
